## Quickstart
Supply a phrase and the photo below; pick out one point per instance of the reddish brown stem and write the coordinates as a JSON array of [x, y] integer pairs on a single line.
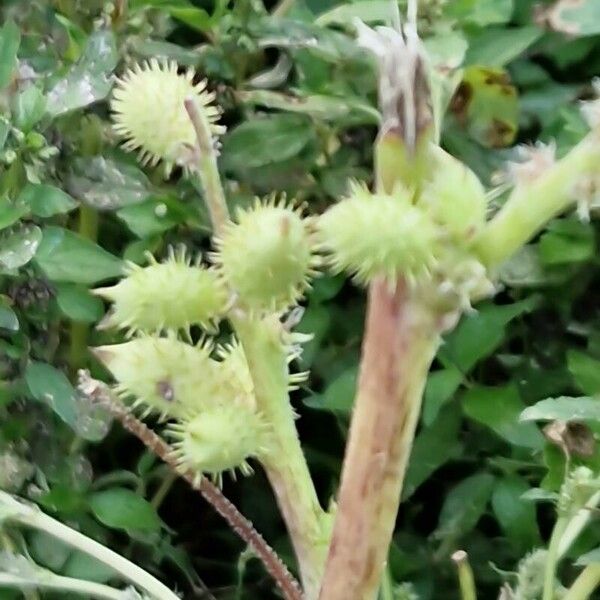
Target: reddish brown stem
[[399, 343], [98, 392]]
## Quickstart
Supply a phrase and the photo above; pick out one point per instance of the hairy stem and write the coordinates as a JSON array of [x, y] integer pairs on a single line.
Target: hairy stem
[[26, 515], [532, 205], [207, 167], [88, 589], [399, 344], [466, 580], [99, 392], [553, 557], [585, 584], [285, 464]]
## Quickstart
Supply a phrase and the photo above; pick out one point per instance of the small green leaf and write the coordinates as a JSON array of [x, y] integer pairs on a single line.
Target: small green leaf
[[121, 508], [478, 335], [8, 318], [153, 216], [591, 557], [441, 386], [516, 516], [11, 212], [585, 371], [19, 245], [89, 80], [481, 12], [465, 505], [51, 386], [433, 447], [496, 47], [564, 408], [10, 39], [68, 257], [46, 200], [28, 107], [567, 241], [261, 142], [78, 304], [576, 18], [369, 11], [84, 566], [499, 409], [339, 394]]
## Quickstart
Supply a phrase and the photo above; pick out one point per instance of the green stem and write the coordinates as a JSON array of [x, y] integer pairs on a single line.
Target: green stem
[[553, 557], [285, 463], [532, 205], [78, 348], [167, 482], [30, 516], [577, 523], [208, 168], [585, 584], [466, 580], [88, 589], [386, 591], [283, 8]]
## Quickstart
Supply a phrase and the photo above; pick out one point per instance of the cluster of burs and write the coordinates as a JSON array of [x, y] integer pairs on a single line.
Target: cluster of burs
[[419, 235]]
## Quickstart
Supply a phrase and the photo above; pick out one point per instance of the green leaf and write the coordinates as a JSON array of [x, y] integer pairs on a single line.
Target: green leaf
[[107, 184], [499, 409], [369, 11], [68, 257], [8, 318], [10, 39], [89, 80], [121, 508], [265, 141], [28, 107], [11, 212], [486, 104], [478, 335], [19, 245], [84, 566], [153, 216], [481, 12], [433, 447], [182, 10], [577, 18], [339, 394], [516, 516], [465, 505], [51, 386], [564, 408], [496, 47], [440, 388], [47, 551], [585, 371], [567, 241], [78, 304], [46, 200], [589, 558]]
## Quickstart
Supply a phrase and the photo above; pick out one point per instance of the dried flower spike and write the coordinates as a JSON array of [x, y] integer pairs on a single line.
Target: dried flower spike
[[149, 112]]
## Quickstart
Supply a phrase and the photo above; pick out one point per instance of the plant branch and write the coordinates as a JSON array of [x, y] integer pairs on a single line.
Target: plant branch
[[585, 584], [399, 344], [553, 557], [465, 575], [99, 392], [17, 511], [208, 168], [533, 204]]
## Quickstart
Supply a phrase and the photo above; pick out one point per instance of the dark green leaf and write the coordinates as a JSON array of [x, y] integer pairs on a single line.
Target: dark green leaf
[[10, 38], [585, 371], [441, 386], [78, 304], [121, 508], [46, 200], [66, 256]]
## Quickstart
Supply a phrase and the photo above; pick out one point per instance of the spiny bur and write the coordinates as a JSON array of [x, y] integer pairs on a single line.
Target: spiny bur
[[168, 296], [267, 257]]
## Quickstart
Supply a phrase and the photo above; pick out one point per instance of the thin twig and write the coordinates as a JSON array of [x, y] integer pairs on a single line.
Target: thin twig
[[465, 575], [100, 393]]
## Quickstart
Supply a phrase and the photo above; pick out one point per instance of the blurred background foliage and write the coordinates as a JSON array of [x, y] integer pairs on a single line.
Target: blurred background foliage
[[300, 107]]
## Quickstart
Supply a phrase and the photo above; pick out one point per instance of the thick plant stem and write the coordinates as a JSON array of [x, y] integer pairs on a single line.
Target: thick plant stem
[[553, 557], [400, 341], [285, 463], [207, 168], [533, 204], [25, 515], [585, 584]]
